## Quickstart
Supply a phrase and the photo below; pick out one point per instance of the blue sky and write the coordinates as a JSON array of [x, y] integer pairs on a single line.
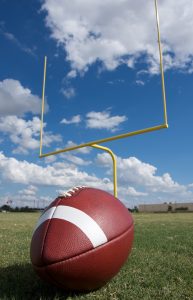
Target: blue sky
[[102, 80]]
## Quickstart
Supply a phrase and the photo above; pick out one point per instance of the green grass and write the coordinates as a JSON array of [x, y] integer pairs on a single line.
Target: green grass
[[159, 268]]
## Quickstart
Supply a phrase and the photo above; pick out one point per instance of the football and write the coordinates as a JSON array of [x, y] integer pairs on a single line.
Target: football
[[82, 239]]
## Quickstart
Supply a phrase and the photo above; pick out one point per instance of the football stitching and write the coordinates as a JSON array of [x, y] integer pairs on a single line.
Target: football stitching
[[72, 192], [60, 199]]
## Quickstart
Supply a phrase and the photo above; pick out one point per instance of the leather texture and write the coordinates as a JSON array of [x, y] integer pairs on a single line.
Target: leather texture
[[62, 254]]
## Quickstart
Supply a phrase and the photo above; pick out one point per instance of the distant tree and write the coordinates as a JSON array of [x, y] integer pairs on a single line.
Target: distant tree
[[135, 209], [181, 208], [169, 208], [6, 207]]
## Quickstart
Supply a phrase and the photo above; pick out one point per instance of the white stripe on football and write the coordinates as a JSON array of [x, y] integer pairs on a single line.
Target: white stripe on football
[[79, 218]]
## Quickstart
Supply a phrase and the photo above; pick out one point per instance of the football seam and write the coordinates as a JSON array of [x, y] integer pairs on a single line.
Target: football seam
[[60, 199], [85, 253], [43, 244]]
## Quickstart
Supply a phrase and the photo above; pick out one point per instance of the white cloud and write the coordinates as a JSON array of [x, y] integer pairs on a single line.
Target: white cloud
[[84, 150], [25, 134], [74, 120], [131, 191], [137, 181], [133, 172], [103, 120], [98, 120], [50, 159], [140, 82], [68, 92], [16, 99], [58, 174], [28, 196], [76, 159], [12, 38], [118, 32], [72, 74], [31, 190]]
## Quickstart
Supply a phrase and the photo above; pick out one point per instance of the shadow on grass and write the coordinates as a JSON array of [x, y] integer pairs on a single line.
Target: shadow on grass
[[19, 282]]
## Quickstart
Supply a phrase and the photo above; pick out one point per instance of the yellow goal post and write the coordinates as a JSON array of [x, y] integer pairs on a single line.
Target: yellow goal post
[[95, 143]]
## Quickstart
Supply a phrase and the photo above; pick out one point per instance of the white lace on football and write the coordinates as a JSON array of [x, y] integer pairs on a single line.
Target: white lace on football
[[72, 191]]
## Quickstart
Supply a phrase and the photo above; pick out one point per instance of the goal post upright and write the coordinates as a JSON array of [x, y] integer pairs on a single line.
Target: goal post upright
[[161, 63], [95, 143], [43, 107]]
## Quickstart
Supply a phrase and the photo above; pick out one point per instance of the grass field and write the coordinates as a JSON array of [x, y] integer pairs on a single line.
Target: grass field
[[160, 266]]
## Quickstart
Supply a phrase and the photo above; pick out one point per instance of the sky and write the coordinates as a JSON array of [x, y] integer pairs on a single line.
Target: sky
[[103, 79]]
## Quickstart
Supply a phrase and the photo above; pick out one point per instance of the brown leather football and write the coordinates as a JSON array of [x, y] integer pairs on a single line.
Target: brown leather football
[[82, 239]]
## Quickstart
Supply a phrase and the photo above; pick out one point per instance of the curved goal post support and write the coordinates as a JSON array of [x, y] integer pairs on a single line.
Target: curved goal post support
[[95, 143], [114, 164]]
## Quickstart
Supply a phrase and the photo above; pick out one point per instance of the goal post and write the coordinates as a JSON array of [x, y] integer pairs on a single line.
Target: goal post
[[96, 143], [115, 137]]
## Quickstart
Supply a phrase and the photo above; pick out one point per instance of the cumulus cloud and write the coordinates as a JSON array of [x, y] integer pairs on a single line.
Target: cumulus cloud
[[98, 120], [58, 174], [50, 159], [68, 92], [137, 181], [16, 99], [84, 150], [71, 74], [103, 120], [28, 196], [76, 159], [140, 82], [74, 120], [131, 191], [134, 173], [31, 190], [117, 32], [25, 134]]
